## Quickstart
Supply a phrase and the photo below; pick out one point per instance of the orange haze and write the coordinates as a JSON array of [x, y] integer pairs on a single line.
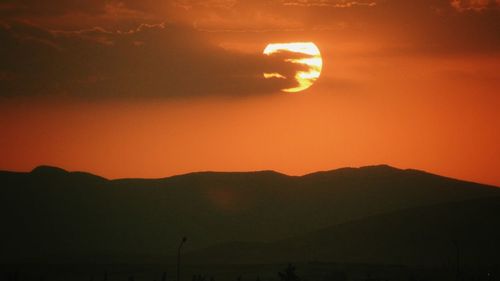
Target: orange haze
[[410, 85]]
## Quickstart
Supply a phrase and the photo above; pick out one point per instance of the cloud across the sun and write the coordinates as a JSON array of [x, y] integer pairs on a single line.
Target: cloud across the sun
[[148, 61], [154, 48]]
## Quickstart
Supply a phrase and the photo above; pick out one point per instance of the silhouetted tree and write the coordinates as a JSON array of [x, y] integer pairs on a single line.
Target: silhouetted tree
[[289, 274], [164, 276]]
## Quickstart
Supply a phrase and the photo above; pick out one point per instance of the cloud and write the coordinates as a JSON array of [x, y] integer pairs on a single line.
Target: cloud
[[475, 5], [54, 47], [74, 14], [425, 26], [329, 3], [148, 61]]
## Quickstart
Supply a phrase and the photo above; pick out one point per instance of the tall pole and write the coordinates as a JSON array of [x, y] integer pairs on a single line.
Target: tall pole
[[179, 258]]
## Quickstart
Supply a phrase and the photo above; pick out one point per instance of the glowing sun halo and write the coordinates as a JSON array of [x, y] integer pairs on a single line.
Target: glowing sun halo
[[312, 60]]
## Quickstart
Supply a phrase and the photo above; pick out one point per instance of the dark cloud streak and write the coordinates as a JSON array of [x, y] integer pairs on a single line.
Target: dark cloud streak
[[150, 61], [43, 55]]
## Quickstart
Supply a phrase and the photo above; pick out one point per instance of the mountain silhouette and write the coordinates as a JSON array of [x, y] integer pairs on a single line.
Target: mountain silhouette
[[50, 214]]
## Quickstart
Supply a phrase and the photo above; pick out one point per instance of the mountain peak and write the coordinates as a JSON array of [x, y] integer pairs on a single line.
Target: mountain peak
[[48, 170], [382, 168]]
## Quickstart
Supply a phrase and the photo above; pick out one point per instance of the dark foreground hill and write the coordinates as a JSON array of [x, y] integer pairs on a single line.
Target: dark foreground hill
[[53, 215], [424, 236]]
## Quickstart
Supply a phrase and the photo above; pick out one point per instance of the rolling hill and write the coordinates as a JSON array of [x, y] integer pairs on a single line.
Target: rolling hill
[[50, 214], [422, 236]]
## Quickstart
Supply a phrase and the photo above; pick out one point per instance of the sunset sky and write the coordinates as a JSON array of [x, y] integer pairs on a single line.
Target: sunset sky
[[161, 87]]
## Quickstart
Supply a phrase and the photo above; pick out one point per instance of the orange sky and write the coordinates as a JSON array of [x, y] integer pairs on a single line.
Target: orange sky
[[410, 85]]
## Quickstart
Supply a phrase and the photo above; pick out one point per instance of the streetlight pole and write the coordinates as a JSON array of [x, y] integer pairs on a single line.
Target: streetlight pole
[[179, 258]]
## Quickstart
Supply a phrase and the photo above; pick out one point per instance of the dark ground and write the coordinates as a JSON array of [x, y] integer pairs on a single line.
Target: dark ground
[[315, 271]]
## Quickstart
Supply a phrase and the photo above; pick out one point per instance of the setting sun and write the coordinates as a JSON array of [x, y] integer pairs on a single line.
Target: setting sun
[[312, 59]]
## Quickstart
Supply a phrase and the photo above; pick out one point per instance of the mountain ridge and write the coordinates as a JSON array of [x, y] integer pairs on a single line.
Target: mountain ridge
[[52, 212], [49, 169]]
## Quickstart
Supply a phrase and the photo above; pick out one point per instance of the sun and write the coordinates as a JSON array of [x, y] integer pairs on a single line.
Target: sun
[[312, 59]]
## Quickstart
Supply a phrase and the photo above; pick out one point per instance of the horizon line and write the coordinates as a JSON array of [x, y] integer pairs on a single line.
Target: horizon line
[[42, 166]]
